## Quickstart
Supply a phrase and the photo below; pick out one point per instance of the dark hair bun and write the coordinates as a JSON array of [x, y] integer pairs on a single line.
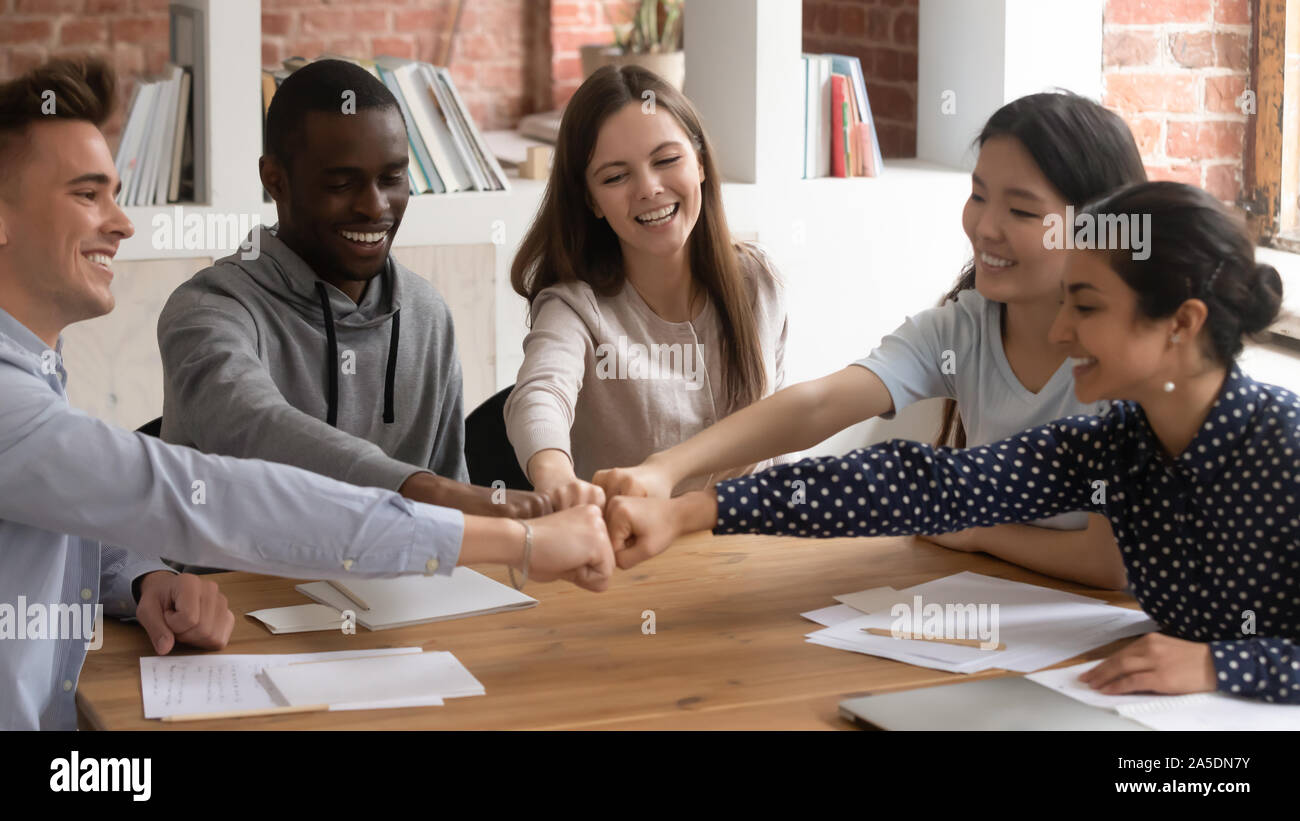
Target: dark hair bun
[[1264, 301]]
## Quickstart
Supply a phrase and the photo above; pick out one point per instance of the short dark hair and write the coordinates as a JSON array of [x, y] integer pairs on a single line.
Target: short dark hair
[[319, 86], [1199, 249], [83, 89]]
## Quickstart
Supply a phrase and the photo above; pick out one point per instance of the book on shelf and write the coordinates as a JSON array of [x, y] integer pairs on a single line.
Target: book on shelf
[[446, 151], [840, 137], [155, 156]]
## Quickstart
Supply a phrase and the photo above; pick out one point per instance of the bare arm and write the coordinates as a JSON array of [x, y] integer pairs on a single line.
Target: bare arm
[[1089, 556], [792, 419]]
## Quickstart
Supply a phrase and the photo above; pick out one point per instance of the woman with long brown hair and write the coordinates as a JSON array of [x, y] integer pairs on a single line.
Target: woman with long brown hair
[[648, 322]]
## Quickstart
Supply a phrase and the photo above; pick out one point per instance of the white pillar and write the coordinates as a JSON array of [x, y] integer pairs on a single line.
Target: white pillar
[[744, 74], [976, 55]]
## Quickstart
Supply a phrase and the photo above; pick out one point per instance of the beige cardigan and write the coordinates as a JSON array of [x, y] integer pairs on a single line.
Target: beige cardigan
[[609, 382]]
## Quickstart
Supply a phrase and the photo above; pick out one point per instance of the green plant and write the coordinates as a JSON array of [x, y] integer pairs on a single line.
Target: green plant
[[656, 27]]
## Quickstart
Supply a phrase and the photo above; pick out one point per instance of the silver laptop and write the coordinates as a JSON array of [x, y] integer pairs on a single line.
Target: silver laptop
[[1010, 703]]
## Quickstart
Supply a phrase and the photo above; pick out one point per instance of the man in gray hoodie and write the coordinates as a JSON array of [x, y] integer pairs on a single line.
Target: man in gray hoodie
[[312, 345]]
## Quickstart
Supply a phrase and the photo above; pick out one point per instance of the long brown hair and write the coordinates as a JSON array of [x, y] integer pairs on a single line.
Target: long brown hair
[[566, 242], [1084, 150]]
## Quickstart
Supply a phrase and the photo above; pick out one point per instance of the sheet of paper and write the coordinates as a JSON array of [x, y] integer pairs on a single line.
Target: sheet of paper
[[421, 599], [873, 600], [213, 683], [831, 616], [387, 678], [299, 618], [1195, 711]]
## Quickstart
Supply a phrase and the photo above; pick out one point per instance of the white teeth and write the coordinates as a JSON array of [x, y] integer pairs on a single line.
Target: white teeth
[[100, 259], [995, 262], [356, 237], [1076, 361], [658, 217]]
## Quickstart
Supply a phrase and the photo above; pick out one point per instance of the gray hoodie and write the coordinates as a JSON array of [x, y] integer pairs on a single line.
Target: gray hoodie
[[254, 368]]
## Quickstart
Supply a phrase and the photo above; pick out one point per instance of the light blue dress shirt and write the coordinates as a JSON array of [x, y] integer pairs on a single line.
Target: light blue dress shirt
[[72, 485]]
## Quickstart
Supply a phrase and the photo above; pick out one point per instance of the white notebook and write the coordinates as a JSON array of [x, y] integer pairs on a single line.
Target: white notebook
[[1194, 711], [411, 600]]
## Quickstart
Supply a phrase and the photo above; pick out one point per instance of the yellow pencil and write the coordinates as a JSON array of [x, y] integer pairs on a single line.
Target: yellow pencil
[[880, 631], [263, 711]]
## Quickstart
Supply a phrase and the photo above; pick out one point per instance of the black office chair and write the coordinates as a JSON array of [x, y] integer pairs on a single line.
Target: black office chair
[[488, 453], [151, 428], [154, 428]]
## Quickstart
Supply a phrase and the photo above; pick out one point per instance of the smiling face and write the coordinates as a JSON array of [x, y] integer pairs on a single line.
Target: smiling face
[[60, 227], [1004, 221], [644, 179], [1117, 353], [343, 198]]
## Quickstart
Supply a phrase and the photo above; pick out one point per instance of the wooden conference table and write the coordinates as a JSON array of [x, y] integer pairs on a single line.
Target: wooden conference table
[[727, 654]]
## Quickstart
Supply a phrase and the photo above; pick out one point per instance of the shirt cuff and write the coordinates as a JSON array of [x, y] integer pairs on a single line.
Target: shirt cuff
[[382, 472], [539, 437], [437, 538], [118, 595]]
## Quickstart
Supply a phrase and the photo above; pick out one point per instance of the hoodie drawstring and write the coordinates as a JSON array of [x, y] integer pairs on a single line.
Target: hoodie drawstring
[[333, 357], [389, 416]]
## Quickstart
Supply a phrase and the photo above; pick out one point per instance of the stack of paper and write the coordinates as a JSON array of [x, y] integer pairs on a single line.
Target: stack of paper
[[1195, 711], [1037, 626], [405, 678], [217, 686]]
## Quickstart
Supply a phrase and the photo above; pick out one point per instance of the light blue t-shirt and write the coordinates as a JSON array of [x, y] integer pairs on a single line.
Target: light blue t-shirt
[[955, 351]]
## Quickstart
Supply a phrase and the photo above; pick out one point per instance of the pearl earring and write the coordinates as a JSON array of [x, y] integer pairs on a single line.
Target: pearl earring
[[1173, 340], [1169, 387]]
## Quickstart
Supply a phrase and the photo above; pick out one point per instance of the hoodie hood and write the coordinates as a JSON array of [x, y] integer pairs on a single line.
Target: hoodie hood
[[278, 269]]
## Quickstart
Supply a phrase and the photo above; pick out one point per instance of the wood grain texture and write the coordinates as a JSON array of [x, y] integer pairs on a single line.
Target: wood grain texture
[[728, 652]]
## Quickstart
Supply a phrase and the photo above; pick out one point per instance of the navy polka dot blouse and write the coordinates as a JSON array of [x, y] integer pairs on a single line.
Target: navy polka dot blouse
[[1211, 539]]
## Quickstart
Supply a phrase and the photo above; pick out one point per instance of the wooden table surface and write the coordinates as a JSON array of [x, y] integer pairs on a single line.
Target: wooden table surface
[[728, 651]]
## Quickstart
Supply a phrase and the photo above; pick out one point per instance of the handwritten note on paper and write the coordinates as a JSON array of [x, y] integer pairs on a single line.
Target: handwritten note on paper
[[182, 685]]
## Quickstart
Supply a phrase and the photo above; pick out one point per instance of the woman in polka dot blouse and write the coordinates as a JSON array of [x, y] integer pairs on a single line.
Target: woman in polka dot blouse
[[1196, 466]]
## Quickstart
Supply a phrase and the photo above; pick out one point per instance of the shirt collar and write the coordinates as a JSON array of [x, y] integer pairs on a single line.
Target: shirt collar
[[1228, 421], [24, 336]]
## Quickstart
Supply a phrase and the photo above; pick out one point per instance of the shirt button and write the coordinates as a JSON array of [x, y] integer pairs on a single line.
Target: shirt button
[[86, 594], [67, 685], [431, 566], [347, 564]]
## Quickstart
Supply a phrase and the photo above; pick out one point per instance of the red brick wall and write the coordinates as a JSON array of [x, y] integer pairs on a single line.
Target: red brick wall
[[498, 50], [501, 61], [1174, 69], [883, 35], [576, 23]]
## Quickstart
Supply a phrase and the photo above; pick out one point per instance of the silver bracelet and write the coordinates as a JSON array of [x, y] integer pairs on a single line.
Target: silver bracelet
[[528, 554]]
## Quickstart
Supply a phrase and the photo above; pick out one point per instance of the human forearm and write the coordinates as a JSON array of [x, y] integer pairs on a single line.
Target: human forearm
[[792, 419], [1088, 556], [473, 499]]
